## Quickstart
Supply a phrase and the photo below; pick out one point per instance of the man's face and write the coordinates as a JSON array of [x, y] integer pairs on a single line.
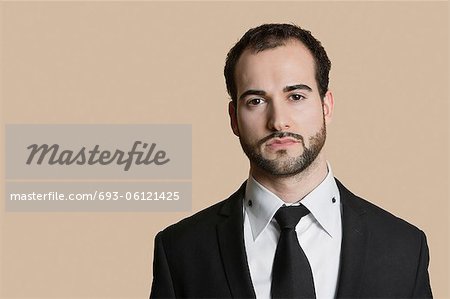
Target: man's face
[[280, 118]]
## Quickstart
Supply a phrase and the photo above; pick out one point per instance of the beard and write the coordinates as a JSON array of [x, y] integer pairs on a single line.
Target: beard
[[283, 165]]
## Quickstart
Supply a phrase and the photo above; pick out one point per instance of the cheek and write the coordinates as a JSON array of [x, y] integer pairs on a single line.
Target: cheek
[[250, 125], [312, 119]]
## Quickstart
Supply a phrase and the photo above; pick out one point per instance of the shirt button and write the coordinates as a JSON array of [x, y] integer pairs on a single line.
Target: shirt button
[[250, 203], [333, 200]]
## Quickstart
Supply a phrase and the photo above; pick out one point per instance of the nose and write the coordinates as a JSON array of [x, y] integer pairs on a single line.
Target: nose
[[278, 117]]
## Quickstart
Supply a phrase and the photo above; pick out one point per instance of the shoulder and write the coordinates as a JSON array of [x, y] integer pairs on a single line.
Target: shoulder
[[394, 252], [379, 221], [197, 223], [203, 223]]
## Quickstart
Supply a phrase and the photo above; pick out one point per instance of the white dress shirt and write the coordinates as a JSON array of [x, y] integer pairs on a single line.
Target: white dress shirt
[[319, 234]]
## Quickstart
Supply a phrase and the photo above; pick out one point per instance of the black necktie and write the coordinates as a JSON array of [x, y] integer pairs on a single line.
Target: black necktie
[[291, 274]]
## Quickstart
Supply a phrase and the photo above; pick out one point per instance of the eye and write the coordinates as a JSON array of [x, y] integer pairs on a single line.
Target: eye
[[297, 97], [255, 102]]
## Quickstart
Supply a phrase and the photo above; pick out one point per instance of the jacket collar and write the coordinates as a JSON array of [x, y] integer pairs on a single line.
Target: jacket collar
[[354, 244], [232, 249]]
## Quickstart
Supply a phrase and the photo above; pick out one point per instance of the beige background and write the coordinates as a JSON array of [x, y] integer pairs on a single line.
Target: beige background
[[144, 62]]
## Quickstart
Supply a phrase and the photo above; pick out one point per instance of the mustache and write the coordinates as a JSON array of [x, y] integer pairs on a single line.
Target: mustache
[[281, 135]]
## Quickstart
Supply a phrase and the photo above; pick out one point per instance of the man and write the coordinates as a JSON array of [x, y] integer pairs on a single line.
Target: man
[[250, 245]]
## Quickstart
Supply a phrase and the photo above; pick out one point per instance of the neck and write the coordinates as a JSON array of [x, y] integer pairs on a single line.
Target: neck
[[291, 189]]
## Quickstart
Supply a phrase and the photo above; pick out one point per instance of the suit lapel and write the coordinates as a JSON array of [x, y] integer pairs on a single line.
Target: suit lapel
[[232, 249], [354, 245]]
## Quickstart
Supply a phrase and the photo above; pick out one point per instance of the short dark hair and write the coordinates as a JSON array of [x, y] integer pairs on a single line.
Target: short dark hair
[[268, 36]]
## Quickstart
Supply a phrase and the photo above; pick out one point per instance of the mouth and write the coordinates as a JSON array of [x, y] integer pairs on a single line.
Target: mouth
[[281, 142]]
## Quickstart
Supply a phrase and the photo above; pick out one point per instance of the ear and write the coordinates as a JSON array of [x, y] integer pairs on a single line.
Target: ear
[[233, 118], [328, 107]]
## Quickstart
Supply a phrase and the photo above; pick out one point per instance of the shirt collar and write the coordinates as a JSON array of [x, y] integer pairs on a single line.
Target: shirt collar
[[323, 202]]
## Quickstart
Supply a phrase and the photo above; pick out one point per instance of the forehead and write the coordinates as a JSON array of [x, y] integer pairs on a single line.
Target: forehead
[[291, 63]]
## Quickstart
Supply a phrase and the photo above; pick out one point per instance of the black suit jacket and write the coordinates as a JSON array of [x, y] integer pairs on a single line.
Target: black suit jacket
[[203, 256]]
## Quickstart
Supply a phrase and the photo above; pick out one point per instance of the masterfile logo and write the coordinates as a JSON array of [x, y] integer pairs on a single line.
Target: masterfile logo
[[98, 151], [53, 155]]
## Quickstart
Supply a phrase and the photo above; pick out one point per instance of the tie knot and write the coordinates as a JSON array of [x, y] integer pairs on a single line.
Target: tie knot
[[288, 217]]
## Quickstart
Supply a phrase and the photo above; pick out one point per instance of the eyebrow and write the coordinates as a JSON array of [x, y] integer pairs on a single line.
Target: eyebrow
[[252, 92], [263, 93], [297, 86]]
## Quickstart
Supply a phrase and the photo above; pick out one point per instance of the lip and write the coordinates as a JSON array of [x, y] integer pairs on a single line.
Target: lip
[[282, 142]]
